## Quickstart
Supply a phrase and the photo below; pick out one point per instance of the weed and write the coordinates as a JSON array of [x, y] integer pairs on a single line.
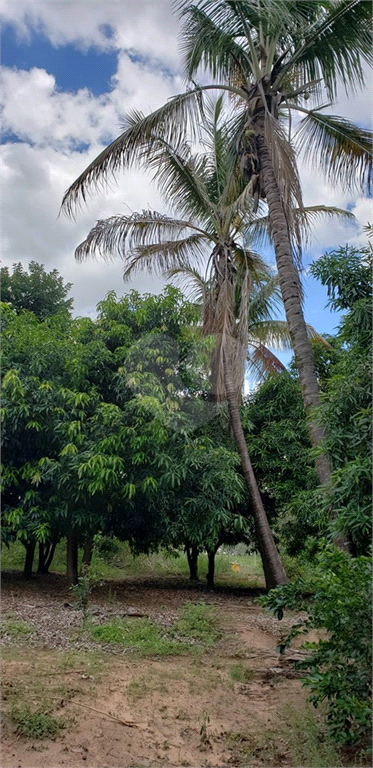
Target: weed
[[122, 562], [241, 674], [204, 739], [308, 739], [36, 725], [142, 635], [82, 591], [198, 621], [302, 740], [16, 629], [137, 690]]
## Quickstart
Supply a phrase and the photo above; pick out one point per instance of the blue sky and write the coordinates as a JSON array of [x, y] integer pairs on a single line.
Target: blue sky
[[71, 70]]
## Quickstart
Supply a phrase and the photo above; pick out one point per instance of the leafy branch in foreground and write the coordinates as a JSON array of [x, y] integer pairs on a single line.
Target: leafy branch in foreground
[[338, 669]]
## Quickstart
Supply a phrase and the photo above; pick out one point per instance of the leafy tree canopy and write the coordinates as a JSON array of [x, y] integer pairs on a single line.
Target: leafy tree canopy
[[41, 292]]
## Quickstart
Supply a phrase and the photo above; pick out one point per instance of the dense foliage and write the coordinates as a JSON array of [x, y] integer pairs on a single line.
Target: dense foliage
[[338, 669], [99, 430], [41, 292]]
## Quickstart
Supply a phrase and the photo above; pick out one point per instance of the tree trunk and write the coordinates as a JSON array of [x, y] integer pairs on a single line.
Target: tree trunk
[[192, 557], [291, 296], [29, 559], [72, 555], [46, 554], [273, 569], [290, 290], [211, 570], [87, 552]]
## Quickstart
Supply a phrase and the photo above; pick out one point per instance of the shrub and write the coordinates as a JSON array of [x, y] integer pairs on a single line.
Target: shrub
[[338, 669]]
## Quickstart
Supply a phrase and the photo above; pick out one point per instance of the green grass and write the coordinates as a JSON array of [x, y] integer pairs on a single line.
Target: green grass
[[196, 629], [35, 725], [141, 635], [199, 622], [241, 674], [16, 629], [308, 739], [120, 563]]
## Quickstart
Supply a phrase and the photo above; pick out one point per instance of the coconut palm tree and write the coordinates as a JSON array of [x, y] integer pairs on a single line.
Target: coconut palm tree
[[212, 213], [271, 57]]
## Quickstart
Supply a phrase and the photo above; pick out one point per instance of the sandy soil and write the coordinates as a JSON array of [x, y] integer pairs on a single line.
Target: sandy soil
[[122, 710]]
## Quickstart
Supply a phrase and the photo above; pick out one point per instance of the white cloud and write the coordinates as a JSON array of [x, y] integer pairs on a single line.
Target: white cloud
[[149, 26], [50, 124]]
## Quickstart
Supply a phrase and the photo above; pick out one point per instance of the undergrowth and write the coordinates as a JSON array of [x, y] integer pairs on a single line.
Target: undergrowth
[[36, 725]]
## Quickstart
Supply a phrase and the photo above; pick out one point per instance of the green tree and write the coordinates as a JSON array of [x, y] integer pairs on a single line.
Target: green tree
[[347, 400], [270, 58], [41, 292]]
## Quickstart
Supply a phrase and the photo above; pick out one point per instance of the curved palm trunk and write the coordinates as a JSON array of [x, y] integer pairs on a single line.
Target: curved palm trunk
[[289, 284], [272, 566]]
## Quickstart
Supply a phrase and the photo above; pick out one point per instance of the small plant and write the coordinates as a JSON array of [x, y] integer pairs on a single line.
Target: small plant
[[137, 690], [36, 725], [241, 674], [82, 591], [204, 721]]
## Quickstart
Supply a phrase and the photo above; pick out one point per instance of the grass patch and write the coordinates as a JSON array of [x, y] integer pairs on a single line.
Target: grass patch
[[36, 725], [141, 635], [196, 629], [302, 740], [137, 689], [198, 621], [16, 629], [308, 738], [241, 674]]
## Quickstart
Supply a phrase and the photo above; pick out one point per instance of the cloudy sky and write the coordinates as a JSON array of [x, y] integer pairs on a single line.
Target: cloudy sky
[[71, 70]]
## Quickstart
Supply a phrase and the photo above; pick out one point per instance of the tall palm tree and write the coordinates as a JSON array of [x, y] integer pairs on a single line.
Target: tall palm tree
[[271, 57], [213, 213]]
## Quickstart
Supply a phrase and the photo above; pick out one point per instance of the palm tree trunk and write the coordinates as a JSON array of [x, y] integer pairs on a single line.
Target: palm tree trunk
[[273, 569], [290, 290]]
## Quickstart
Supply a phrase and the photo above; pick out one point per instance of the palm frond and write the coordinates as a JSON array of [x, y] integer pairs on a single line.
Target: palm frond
[[181, 179], [259, 226], [158, 258], [265, 298], [271, 333], [206, 43], [262, 362], [111, 237], [340, 148], [191, 280], [336, 45], [178, 117]]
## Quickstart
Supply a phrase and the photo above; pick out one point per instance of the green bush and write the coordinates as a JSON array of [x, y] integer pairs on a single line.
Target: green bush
[[338, 668]]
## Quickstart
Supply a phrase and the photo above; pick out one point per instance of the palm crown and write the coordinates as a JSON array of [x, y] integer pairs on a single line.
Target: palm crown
[[205, 245]]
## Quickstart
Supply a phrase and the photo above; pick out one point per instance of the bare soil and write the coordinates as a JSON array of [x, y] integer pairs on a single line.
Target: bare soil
[[121, 710]]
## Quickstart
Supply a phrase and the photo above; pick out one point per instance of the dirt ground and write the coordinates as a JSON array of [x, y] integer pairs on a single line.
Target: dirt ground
[[122, 710]]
